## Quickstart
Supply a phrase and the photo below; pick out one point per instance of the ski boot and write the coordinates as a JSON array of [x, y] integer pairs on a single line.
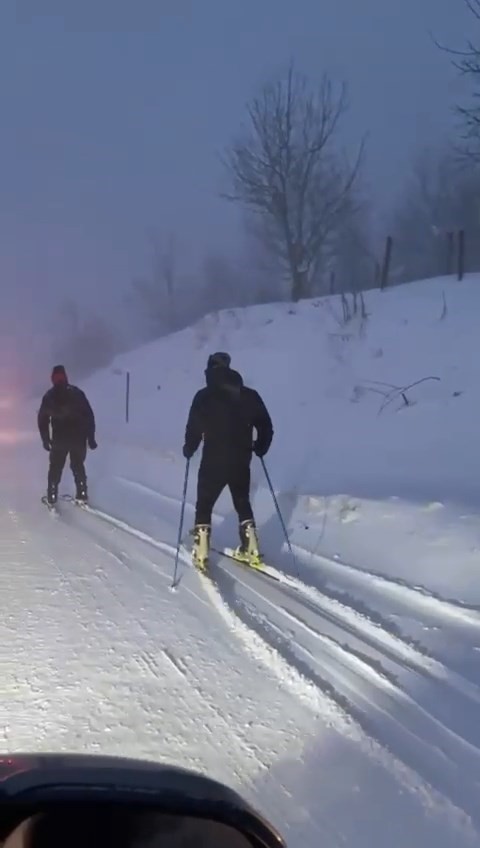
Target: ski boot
[[248, 551], [50, 499], [201, 546], [52, 495], [81, 496]]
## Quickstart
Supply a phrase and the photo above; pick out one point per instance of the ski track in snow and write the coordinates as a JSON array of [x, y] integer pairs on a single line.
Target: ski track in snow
[[320, 645], [440, 629], [121, 672], [415, 599], [410, 612], [361, 676]]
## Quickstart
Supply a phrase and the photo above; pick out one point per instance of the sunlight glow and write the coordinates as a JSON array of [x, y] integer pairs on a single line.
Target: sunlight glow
[[15, 437]]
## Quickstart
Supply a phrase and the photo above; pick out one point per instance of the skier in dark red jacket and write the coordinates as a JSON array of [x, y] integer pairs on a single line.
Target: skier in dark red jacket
[[66, 424], [224, 415]]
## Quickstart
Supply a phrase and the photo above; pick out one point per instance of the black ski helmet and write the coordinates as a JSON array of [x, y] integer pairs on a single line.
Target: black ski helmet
[[219, 360]]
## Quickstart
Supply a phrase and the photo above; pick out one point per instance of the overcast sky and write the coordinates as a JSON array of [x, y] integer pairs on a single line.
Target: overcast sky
[[113, 113]]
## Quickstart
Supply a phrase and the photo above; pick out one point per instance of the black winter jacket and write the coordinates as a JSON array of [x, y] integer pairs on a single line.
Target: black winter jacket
[[69, 413], [225, 414]]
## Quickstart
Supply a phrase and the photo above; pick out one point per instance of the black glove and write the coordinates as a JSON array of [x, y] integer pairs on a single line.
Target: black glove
[[92, 444], [47, 445], [258, 449], [187, 452]]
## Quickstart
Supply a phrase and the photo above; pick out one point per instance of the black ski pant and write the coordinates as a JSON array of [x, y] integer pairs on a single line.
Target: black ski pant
[[77, 451], [212, 479]]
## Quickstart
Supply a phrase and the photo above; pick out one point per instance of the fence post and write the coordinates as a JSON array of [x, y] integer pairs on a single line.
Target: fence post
[[461, 254], [450, 253], [127, 397], [386, 262]]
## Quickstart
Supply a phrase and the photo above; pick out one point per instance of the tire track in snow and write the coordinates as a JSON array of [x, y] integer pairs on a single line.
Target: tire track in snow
[[401, 725], [170, 500], [437, 627], [355, 677], [414, 599], [154, 493], [391, 645], [252, 728], [347, 616], [413, 779], [310, 696], [189, 672], [117, 668], [192, 674]]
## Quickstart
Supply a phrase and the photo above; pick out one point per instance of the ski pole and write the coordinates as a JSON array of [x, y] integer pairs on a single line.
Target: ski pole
[[180, 528], [280, 517]]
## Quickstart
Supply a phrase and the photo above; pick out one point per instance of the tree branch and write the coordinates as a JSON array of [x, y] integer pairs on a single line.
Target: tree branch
[[286, 170]]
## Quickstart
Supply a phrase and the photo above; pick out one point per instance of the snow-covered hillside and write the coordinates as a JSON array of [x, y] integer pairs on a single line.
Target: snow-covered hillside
[[357, 470], [343, 701]]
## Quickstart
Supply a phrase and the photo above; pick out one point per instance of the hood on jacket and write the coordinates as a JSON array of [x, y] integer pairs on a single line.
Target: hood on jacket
[[59, 376], [219, 359], [224, 380]]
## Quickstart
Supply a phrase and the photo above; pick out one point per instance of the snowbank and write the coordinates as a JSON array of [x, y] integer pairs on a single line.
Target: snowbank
[[375, 475]]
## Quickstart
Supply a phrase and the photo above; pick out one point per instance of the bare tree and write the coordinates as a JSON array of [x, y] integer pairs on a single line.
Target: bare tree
[[69, 315], [441, 197], [264, 274], [83, 344], [165, 272], [155, 296], [352, 255], [221, 287], [467, 61], [286, 170]]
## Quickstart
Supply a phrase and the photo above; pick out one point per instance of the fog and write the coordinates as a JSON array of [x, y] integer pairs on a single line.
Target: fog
[[113, 117]]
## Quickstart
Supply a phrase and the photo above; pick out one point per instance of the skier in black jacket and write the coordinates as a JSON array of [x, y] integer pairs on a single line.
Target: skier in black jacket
[[224, 415], [66, 424]]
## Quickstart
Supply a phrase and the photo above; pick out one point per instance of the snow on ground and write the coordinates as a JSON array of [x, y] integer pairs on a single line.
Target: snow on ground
[[342, 702]]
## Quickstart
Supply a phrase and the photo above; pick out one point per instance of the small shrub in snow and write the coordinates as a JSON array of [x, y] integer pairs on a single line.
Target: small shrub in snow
[[397, 393], [358, 393]]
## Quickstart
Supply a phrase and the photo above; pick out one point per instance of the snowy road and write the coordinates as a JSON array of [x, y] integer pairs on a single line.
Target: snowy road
[[334, 725], [422, 711]]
